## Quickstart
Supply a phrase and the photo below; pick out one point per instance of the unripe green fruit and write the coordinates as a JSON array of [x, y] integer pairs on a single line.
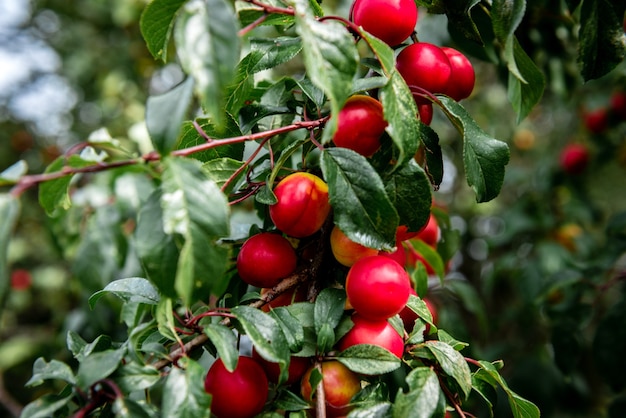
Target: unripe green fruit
[[247, 384], [360, 125], [302, 206], [265, 259]]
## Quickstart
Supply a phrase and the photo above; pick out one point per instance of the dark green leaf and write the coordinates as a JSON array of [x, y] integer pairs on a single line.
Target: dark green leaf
[[98, 366], [602, 45], [484, 157], [424, 398], [383, 52], [361, 207], [330, 56], [183, 394], [400, 112], [133, 289], [292, 328], [608, 345], [275, 51], [460, 19], [157, 250], [53, 370], [165, 113], [265, 333], [453, 363], [526, 92], [418, 306], [9, 213], [431, 256], [369, 359], [289, 401], [225, 343], [156, 24], [434, 156], [520, 407], [208, 47], [329, 308], [506, 17], [132, 377], [410, 192]]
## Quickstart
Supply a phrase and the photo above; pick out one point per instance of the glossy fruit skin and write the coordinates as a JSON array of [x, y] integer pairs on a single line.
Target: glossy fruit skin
[[425, 111], [463, 78], [265, 259], [399, 255], [380, 333], [596, 121], [391, 21], [346, 251], [284, 299], [574, 158], [302, 206], [377, 287], [430, 234], [360, 125], [247, 384], [297, 367], [340, 385], [426, 66]]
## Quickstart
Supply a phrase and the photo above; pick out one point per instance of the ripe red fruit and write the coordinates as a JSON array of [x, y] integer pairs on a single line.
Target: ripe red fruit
[[360, 125], [377, 287], [302, 204], [391, 21], [340, 385], [265, 259], [618, 104], [21, 279], [426, 66], [380, 333], [425, 111], [297, 367], [297, 294], [596, 121], [574, 158], [346, 251], [399, 255], [247, 384], [463, 78], [430, 233]]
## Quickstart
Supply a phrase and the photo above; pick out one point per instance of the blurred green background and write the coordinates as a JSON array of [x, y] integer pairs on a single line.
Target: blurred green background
[[538, 277]]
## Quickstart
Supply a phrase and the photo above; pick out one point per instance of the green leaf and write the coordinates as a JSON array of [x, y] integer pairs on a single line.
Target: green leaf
[[506, 17], [383, 53], [401, 113], [220, 170], [98, 366], [13, 173], [53, 370], [520, 407], [123, 407], [190, 137], [265, 333], [166, 112], [602, 46], [410, 192], [292, 328], [369, 359], [526, 92], [484, 157], [275, 51], [459, 13], [9, 213], [132, 377], [431, 256], [164, 316], [157, 251], [361, 206], [208, 47], [329, 308], [424, 399], [330, 56], [46, 406], [453, 363], [196, 209], [225, 343], [156, 24], [133, 289], [434, 156], [183, 394], [418, 306]]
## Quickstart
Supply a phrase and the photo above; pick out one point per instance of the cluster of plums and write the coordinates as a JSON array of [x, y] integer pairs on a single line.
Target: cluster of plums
[[377, 284]]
